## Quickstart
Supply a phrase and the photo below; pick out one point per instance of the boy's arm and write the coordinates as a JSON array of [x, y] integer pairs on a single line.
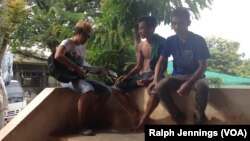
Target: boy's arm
[[161, 64], [136, 68], [60, 57], [138, 65], [185, 87], [199, 72]]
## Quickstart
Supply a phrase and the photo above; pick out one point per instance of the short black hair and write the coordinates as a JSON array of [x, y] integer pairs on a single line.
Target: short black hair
[[149, 21], [181, 12]]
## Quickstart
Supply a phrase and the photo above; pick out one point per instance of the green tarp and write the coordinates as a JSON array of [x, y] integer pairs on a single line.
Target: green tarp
[[227, 79]]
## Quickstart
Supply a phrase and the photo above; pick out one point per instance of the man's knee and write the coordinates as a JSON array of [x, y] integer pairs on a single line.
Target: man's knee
[[201, 85], [107, 92], [162, 86], [114, 90]]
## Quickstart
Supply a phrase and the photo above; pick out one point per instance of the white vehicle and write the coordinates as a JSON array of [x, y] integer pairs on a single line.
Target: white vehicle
[[16, 98]]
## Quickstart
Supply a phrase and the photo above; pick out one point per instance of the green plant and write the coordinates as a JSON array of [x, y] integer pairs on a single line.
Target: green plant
[[215, 82]]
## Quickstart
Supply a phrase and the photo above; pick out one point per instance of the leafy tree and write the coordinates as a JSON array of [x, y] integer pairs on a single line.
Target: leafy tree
[[215, 82], [244, 69], [225, 57], [51, 21], [114, 22], [12, 13], [117, 30]]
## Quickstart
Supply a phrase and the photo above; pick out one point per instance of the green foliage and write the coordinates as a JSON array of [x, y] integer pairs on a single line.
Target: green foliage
[[243, 69], [215, 82], [158, 8], [51, 22], [116, 28], [113, 59], [114, 21], [12, 13], [225, 57]]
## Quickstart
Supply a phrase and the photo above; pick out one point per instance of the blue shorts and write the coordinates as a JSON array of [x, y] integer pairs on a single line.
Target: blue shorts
[[131, 83], [83, 86]]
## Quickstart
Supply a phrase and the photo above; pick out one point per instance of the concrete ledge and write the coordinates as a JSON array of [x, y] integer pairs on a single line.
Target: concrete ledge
[[225, 106], [54, 110], [231, 103], [51, 111]]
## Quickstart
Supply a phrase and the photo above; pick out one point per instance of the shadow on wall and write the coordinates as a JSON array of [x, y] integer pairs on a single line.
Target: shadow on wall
[[232, 104]]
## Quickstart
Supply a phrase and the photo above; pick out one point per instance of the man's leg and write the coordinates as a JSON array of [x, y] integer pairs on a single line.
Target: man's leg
[[120, 90], [152, 103], [164, 89], [103, 92], [83, 104], [86, 90], [100, 102], [201, 89], [126, 103]]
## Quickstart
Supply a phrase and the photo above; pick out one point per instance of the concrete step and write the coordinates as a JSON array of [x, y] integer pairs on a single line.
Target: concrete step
[[106, 135]]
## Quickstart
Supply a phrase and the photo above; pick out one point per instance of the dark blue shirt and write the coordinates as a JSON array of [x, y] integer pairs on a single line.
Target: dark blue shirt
[[186, 55]]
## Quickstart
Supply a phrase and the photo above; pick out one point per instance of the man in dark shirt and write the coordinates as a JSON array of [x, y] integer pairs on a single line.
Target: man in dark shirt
[[190, 54]]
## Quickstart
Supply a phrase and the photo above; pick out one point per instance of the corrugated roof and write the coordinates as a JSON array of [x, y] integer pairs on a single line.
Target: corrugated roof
[[21, 59]]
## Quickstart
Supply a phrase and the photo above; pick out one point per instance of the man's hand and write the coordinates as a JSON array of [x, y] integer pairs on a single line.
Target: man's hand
[[143, 82], [80, 72], [151, 85], [101, 72], [121, 78], [184, 89]]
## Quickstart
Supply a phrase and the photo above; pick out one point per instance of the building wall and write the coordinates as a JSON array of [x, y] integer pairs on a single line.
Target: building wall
[[33, 77]]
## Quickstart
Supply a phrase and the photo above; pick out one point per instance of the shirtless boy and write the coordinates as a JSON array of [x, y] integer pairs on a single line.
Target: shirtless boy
[[148, 52]]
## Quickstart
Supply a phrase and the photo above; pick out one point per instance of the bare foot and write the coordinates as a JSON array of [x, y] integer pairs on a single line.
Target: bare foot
[[139, 128], [139, 124]]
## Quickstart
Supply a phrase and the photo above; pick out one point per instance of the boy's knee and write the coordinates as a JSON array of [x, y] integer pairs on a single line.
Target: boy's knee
[[162, 85], [201, 85]]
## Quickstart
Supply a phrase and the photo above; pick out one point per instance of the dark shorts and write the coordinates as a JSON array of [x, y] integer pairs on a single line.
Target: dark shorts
[[130, 84]]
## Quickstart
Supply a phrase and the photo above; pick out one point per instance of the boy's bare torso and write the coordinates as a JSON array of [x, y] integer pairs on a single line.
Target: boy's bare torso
[[145, 51]]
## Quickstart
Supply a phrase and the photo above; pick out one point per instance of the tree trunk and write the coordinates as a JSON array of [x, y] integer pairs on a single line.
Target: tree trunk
[[3, 93], [3, 48]]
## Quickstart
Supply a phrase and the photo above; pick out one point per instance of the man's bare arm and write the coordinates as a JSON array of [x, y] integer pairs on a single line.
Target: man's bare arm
[[139, 63], [60, 57], [185, 87], [136, 68], [199, 72], [161, 63]]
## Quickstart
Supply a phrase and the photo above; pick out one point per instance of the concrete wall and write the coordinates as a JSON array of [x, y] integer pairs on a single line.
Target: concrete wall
[[232, 104], [225, 106], [55, 111]]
